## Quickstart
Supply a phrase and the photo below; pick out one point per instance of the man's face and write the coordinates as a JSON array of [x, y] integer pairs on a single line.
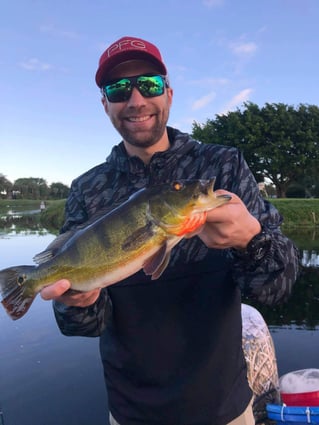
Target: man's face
[[141, 121]]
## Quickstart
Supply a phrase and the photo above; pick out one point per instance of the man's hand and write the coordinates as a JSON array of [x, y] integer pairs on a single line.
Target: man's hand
[[230, 225], [60, 291]]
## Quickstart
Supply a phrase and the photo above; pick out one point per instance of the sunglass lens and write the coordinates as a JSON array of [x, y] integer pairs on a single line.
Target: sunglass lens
[[151, 86], [120, 91]]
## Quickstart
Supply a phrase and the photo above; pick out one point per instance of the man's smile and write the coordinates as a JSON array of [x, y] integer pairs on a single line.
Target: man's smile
[[139, 119]]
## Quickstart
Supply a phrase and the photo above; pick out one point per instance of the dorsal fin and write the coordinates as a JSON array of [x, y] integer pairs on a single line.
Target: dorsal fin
[[54, 247]]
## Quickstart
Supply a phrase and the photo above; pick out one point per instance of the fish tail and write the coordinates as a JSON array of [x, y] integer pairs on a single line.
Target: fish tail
[[17, 296]]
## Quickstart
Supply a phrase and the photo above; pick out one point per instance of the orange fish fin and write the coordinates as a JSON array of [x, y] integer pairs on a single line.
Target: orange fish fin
[[16, 295]]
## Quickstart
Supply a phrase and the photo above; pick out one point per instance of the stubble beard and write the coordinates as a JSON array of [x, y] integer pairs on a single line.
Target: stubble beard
[[143, 139]]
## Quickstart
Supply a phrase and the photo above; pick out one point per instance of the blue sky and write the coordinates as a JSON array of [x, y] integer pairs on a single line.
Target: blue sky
[[219, 53]]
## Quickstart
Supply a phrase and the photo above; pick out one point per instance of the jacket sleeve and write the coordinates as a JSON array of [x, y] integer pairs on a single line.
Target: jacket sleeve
[[89, 321], [77, 321], [271, 280]]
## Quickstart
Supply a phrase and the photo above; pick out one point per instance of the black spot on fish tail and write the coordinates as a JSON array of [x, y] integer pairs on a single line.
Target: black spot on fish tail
[[16, 294]]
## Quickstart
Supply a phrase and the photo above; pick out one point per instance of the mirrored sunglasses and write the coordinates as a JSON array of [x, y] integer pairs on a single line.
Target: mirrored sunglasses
[[120, 90]]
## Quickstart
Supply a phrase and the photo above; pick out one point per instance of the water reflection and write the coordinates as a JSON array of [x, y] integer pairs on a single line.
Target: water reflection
[[302, 308], [24, 222], [309, 258]]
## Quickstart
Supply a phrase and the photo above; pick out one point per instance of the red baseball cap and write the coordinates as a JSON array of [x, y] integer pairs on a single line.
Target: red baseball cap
[[124, 49]]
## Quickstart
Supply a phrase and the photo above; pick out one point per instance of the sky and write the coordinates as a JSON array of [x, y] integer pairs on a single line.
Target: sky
[[219, 54]]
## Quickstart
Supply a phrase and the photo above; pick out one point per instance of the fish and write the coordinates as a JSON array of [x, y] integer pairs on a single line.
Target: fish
[[138, 234]]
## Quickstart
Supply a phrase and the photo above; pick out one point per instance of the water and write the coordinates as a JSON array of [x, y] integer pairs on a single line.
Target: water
[[45, 377], [49, 379], [294, 326]]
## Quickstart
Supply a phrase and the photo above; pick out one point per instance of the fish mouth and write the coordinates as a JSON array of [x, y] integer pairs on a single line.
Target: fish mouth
[[206, 186], [208, 198], [205, 189]]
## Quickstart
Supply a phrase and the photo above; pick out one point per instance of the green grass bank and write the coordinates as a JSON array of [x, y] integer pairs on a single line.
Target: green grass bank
[[296, 212], [53, 215]]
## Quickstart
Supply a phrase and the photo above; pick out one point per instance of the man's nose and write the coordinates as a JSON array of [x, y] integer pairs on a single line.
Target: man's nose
[[136, 98]]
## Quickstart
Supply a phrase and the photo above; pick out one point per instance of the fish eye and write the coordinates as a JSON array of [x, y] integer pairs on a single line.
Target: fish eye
[[21, 279], [177, 186]]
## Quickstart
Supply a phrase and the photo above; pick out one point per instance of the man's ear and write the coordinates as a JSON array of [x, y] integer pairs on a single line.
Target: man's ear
[[170, 95], [104, 103]]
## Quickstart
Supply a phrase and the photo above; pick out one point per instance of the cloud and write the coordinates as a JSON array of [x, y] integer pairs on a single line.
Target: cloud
[[35, 64], [237, 100], [243, 52], [203, 101], [243, 49]]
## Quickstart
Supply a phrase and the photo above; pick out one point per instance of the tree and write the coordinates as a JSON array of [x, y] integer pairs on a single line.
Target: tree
[[278, 141], [5, 186], [31, 188], [58, 191]]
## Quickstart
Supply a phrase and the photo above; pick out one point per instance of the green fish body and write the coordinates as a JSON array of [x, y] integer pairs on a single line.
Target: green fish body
[[139, 234]]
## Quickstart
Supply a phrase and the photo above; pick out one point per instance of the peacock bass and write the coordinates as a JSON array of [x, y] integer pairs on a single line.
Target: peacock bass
[[138, 234]]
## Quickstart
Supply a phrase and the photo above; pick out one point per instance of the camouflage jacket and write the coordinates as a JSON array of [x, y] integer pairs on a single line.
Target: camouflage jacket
[[110, 183]]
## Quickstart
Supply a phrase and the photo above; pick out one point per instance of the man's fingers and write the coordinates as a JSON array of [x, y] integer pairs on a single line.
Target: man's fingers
[[55, 290]]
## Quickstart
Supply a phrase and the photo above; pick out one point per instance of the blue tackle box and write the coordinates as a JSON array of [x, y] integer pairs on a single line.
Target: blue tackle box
[[292, 415]]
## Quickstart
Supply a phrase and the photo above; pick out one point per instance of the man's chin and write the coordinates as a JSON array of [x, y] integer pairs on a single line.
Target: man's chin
[[141, 138]]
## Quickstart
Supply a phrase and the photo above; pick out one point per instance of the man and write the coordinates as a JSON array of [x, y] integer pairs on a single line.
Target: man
[[172, 348]]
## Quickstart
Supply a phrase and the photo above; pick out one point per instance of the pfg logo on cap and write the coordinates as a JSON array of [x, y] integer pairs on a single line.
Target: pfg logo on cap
[[125, 44]]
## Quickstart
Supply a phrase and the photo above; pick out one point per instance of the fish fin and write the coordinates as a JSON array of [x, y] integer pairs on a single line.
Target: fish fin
[[54, 247], [158, 272], [43, 256], [16, 296], [157, 263]]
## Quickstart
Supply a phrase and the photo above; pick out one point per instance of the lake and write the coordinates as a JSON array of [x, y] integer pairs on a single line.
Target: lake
[[49, 379], [45, 377]]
